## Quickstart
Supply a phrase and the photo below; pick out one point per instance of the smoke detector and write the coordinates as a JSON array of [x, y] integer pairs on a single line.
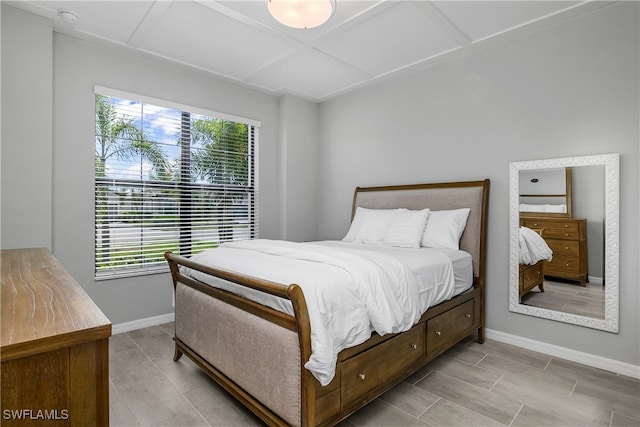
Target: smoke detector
[[68, 16]]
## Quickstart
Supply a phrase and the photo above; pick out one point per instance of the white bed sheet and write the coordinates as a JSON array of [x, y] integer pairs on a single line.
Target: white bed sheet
[[532, 247], [350, 315]]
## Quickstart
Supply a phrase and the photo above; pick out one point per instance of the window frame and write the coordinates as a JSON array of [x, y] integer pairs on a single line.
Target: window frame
[[182, 184]]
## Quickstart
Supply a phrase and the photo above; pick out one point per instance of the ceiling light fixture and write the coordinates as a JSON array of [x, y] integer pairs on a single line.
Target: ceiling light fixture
[[68, 16], [301, 13]]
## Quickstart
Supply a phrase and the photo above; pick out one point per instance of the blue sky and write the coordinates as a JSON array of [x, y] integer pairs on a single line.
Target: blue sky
[[159, 124]]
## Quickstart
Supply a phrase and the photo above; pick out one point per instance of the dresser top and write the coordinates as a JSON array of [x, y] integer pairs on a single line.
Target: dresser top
[[43, 308]]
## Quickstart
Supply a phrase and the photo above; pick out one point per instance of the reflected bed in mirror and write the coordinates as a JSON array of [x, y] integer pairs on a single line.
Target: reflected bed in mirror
[[564, 263]]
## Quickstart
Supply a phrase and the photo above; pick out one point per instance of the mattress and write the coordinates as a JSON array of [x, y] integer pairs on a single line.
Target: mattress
[[351, 289]]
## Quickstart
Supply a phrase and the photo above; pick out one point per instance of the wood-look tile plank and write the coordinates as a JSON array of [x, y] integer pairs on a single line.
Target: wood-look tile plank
[[618, 402], [411, 399], [183, 374], [121, 342], [448, 414], [525, 388], [219, 408], [507, 351], [120, 416], [147, 332], [465, 353], [515, 366], [532, 417], [130, 364], [187, 419], [498, 408], [419, 375], [152, 399], [157, 347], [552, 397], [466, 372], [381, 414], [602, 378], [618, 420]]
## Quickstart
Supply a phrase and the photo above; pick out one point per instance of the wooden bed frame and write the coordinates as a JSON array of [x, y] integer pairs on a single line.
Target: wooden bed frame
[[531, 276], [258, 354]]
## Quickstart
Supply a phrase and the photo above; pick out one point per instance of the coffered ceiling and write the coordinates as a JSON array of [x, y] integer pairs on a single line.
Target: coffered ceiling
[[363, 42]]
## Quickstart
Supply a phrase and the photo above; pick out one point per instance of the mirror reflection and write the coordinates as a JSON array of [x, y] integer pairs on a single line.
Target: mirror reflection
[[563, 219], [546, 192], [558, 273]]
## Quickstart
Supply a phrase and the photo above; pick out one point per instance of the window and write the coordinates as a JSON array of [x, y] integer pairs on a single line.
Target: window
[[168, 178]]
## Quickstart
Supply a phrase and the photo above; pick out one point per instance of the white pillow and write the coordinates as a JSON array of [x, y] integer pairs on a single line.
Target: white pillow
[[370, 225], [444, 228], [407, 229], [355, 224]]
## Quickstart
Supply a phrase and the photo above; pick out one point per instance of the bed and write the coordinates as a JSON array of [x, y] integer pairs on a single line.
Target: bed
[[261, 351], [533, 251]]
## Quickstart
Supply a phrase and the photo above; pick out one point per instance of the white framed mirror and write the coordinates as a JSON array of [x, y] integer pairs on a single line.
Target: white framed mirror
[[576, 278]]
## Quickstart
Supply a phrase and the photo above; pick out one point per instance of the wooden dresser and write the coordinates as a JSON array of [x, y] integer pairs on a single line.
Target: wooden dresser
[[567, 238], [54, 358]]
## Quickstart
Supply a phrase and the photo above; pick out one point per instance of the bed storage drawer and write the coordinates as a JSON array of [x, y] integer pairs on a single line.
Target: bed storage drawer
[[449, 327], [384, 363], [530, 276]]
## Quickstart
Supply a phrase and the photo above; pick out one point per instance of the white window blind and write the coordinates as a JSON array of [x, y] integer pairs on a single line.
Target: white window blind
[[168, 179]]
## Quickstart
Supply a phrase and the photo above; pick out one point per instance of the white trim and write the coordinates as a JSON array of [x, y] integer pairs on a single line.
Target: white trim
[[592, 360], [101, 90], [121, 328]]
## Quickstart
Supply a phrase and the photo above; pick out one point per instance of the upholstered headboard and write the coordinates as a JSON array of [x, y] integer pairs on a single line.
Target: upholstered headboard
[[448, 195]]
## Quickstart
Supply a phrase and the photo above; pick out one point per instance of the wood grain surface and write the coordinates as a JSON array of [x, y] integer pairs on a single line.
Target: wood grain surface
[[43, 308]]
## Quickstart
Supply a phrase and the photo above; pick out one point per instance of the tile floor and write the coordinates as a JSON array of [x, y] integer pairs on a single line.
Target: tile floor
[[490, 384]]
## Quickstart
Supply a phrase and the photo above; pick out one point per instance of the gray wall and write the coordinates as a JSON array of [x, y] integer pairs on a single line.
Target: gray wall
[[565, 90], [26, 131], [298, 137]]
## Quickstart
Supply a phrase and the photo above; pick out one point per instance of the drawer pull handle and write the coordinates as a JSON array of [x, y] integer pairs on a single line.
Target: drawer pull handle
[[566, 248], [535, 225], [414, 346], [567, 264], [566, 226], [566, 234], [362, 377], [468, 316], [438, 333]]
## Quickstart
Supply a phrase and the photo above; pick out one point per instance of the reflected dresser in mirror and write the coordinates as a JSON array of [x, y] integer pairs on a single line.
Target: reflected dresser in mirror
[[567, 238]]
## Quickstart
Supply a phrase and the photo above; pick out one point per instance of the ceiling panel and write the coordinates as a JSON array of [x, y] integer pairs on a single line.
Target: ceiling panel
[[480, 19], [198, 35], [308, 73], [112, 20], [363, 42], [387, 41]]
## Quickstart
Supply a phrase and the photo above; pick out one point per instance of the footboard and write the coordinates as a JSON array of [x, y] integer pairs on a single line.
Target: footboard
[[256, 353]]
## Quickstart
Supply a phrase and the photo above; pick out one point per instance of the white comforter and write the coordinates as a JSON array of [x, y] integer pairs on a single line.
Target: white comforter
[[533, 248], [349, 290]]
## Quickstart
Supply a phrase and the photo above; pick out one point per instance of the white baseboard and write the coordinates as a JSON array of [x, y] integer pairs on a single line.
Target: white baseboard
[[592, 360], [142, 323], [594, 280]]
